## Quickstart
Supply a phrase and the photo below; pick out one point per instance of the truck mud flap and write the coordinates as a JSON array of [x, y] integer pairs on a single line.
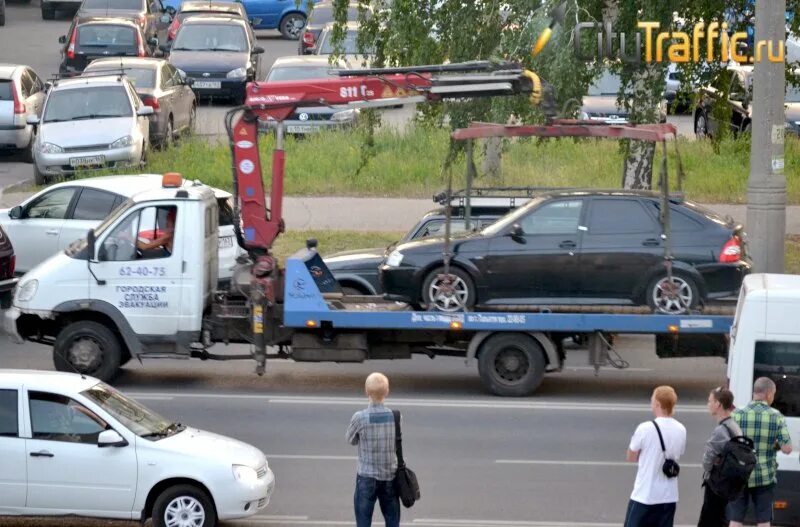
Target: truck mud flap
[[341, 347], [676, 346]]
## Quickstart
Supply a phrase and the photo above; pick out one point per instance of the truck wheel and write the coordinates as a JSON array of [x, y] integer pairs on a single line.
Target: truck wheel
[[511, 364], [184, 505], [88, 347]]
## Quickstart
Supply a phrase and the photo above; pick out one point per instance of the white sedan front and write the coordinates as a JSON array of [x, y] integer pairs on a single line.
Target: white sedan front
[[72, 445]]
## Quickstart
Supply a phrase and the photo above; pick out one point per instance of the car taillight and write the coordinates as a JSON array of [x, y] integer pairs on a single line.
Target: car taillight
[[308, 39], [731, 251], [173, 29], [12, 265], [152, 102], [71, 48], [19, 106], [140, 45]]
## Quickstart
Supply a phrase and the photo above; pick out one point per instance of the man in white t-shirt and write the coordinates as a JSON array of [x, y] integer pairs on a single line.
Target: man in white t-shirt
[[655, 495]]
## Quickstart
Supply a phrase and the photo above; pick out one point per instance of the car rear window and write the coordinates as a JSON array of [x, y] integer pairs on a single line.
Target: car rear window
[[225, 211], [5, 91], [127, 5], [299, 74], [103, 36], [139, 77], [348, 46]]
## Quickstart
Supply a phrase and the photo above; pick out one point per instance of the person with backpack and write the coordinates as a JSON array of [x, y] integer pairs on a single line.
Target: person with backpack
[[766, 426], [720, 405], [656, 446], [373, 430]]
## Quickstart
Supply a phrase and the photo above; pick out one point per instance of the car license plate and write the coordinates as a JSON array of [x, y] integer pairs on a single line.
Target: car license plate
[[208, 85], [226, 242], [86, 161], [300, 128]]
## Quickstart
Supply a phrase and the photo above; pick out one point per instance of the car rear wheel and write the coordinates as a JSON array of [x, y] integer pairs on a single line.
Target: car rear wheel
[[448, 292], [48, 12], [27, 152], [89, 348], [673, 297], [169, 134], [184, 506], [511, 364], [192, 120], [701, 125], [291, 26]]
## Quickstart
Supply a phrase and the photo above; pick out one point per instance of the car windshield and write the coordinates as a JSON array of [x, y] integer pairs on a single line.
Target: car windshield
[[607, 84], [137, 418], [348, 46], [299, 74], [793, 94], [106, 36], [126, 5], [511, 218], [323, 14], [211, 37], [139, 77], [87, 103]]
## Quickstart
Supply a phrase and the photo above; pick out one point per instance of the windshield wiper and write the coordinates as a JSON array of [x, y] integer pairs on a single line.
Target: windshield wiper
[[96, 116], [187, 49], [167, 431], [226, 49]]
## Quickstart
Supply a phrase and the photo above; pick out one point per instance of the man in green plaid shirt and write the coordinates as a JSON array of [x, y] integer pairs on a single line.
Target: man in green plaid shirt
[[766, 426]]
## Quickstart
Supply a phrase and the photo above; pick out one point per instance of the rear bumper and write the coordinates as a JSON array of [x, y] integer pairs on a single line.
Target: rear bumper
[[15, 136], [787, 491], [10, 324], [724, 279]]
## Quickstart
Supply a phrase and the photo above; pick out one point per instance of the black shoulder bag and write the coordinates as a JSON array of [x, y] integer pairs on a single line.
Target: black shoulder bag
[[670, 468], [405, 481]]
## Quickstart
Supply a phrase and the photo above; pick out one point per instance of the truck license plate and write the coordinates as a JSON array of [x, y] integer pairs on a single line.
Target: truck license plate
[[208, 85], [300, 128], [86, 161], [226, 242]]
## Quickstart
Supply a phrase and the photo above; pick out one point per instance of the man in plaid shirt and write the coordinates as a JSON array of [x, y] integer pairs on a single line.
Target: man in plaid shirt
[[766, 426], [372, 429]]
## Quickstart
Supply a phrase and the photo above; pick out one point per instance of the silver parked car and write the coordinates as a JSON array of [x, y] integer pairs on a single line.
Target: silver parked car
[[162, 87], [21, 96], [90, 123]]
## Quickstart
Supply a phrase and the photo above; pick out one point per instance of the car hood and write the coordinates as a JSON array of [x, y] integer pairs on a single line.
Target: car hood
[[435, 245], [793, 111], [209, 61], [202, 444], [354, 259], [82, 133], [603, 105]]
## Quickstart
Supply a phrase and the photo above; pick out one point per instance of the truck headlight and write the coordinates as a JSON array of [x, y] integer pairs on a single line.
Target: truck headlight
[[122, 142], [345, 116], [238, 73], [394, 259], [50, 148], [245, 474], [27, 291]]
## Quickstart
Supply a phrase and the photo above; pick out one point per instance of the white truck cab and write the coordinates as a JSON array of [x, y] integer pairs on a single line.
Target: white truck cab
[[765, 342], [140, 281]]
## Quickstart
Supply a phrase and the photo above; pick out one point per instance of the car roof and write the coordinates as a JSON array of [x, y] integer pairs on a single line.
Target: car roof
[[189, 6], [112, 79], [213, 18], [47, 380], [127, 61], [105, 21], [7, 70], [300, 61], [128, 185]]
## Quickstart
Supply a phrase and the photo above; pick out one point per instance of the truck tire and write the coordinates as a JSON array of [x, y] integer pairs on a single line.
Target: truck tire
[[185, 500], [511, 364], [88, 347]]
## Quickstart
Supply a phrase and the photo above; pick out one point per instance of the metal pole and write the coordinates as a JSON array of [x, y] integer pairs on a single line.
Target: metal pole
[[470, 178], [766, 189]]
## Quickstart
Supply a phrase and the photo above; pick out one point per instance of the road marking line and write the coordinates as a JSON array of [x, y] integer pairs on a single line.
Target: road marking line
[[428, 522], [429, 403], [579, 463], [278, 517], [607, 369], [325, 458], [154, 398]]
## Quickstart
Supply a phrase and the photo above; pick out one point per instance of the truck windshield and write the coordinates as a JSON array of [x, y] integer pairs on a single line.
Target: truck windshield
[[135, 417], [116, 213]]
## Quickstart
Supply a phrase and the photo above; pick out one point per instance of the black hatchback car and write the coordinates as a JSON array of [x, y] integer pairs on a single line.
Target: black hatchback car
[[94, 38], [577, 247]]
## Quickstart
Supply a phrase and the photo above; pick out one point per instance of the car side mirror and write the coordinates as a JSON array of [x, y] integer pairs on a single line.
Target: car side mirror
[[62, 39], [188, 82], [516, 231], [145, 110], [15, 213], [258, 50], [32, 120], [110, 438], [91, 241]]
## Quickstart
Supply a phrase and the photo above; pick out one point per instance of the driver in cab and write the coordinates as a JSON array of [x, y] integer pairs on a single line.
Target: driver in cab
[[161, 244]]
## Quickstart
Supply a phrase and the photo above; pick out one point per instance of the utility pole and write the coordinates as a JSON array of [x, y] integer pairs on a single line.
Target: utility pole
[[766, 188]]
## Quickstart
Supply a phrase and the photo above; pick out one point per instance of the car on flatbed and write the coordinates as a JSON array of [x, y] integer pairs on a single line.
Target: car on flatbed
[[577, 247], [90, 451]]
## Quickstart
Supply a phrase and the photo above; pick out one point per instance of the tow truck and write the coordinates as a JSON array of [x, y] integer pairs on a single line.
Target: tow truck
[[105, 301]]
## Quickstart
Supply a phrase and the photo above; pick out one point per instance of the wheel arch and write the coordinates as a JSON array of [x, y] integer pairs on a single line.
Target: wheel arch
[[356, 282], [103, 313], [678, 267], [161, 486], [466, 266], [547, 344]]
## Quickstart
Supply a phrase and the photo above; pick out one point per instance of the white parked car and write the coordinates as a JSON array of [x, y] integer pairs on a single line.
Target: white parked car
[[50, 220], [90, 123], [72, 445]]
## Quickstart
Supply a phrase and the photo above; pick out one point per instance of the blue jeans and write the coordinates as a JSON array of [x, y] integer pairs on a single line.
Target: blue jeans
[[641, 515], [369, 490]]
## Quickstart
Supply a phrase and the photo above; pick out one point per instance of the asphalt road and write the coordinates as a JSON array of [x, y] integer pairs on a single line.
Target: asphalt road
[[555, 459]]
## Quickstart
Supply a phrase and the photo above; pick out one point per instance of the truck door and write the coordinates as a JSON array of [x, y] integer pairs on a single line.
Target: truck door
[[141, 262]]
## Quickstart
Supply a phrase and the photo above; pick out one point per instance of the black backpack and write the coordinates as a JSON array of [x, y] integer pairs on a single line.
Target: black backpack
[[732, 468]]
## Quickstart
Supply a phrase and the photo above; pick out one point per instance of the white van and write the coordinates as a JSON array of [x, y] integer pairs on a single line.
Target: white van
[[765, 342]]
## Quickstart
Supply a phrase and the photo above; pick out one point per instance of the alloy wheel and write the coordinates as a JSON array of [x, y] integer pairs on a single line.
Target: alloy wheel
[[184, 511], [449, 292], [672, 297]]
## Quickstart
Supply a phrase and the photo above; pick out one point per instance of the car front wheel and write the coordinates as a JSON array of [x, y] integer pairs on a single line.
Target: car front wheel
[[701, 126], [448, 292], [672, 297], [184, 506]]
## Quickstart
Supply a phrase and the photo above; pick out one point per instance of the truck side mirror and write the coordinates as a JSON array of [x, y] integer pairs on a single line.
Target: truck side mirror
[[15, 213]]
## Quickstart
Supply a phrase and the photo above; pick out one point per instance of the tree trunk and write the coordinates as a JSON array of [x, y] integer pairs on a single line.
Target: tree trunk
[[645, 107], [492, 159], [638, 167]]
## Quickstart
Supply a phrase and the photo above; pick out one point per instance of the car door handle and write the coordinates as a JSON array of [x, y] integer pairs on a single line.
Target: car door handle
[[567, 244], [651, 242], [52, 232], [42, 453]]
